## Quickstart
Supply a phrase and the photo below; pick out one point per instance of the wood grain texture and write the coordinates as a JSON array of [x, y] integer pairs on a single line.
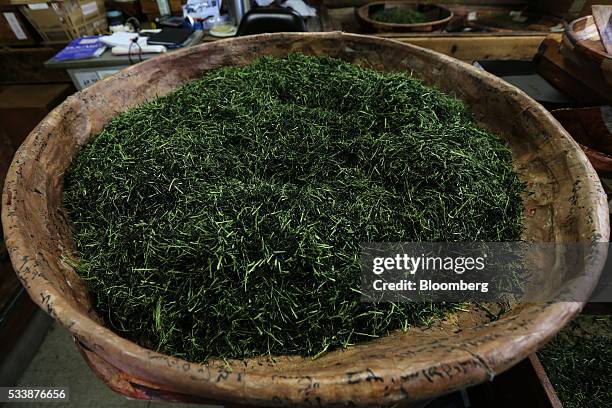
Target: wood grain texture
[[559, 71], [569, 205], [573, 74], [472, 48]]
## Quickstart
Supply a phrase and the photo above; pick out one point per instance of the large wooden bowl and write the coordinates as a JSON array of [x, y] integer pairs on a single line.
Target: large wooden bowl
[[566, 204]]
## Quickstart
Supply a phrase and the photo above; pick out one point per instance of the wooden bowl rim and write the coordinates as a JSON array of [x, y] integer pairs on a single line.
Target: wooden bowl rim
[[161, 369], [593, 53]]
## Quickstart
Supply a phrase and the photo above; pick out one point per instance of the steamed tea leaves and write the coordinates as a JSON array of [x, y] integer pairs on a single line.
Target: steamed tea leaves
[[224, 219]]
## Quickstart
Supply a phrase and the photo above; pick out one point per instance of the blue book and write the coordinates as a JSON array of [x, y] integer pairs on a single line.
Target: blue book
[[84, 47]]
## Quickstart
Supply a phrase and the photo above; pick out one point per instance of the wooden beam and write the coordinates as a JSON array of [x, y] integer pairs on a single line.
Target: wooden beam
[[479, 48], [585, 83], [359, 3]]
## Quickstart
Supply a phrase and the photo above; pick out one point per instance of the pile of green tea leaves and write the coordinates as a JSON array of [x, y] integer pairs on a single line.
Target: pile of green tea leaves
[[399, 15], [224, 219], [578, 362]]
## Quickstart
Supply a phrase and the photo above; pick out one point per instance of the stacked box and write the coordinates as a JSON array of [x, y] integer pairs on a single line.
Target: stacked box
[[567, 9], [150, 8], [14, 29], [62, 21]]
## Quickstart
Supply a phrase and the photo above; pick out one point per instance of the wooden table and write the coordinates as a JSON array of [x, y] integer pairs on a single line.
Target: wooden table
[[466, 46]]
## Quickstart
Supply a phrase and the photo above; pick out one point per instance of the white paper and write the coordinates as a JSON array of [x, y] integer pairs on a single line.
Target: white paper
[[38, 6], [15, 26], [145, 49], [86, 41], [89, 8], [559, 28], [164, 7], [472, 15], [122, 39], [105, 73], [301, 8], [577, 6], [518, 16], [589, 33], [84, 79], [201, 9], [606, 114]]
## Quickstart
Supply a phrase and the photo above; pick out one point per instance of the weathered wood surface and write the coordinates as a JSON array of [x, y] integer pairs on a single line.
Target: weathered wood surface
[[473, 48], [572, 74], [568, 205]]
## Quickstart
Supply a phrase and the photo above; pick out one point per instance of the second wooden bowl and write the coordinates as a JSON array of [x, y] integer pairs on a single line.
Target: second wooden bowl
[[437, 17]]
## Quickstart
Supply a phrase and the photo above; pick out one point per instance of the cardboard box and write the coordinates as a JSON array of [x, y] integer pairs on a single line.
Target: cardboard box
[[149, 7], [25, 65], [568, 10], [22, 107], [62, 21], [14, 28]]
